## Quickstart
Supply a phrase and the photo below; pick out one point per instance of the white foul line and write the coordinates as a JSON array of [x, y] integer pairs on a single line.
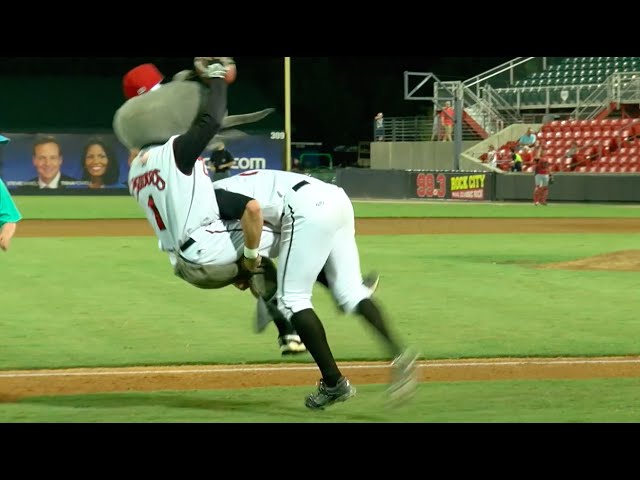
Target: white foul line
[[239, 369]]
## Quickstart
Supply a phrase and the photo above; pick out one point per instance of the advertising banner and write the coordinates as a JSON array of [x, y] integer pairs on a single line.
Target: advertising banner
[[90, 162], [477, 186]]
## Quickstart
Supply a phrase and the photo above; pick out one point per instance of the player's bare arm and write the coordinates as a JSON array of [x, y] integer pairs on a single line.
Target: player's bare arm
[[235, 206], [7, 232], [252, 223], [188, 147]]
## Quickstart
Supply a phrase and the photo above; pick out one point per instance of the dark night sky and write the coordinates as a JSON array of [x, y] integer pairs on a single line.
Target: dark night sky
[[334, 99]]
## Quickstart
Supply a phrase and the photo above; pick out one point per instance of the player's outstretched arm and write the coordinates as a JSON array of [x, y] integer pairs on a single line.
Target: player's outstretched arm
[[188, 147]]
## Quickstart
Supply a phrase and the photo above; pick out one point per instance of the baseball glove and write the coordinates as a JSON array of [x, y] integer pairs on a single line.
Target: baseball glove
[[264, 282]]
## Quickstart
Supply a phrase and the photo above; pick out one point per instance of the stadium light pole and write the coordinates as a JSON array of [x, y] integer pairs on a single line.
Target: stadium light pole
[[287, 113]]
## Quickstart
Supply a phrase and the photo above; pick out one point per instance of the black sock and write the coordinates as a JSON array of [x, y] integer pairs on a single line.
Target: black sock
[[284, 327], [373, 316], [312, 334]]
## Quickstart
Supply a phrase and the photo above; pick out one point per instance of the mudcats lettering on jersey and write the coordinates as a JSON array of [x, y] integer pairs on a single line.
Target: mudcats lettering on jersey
[[151, 177]]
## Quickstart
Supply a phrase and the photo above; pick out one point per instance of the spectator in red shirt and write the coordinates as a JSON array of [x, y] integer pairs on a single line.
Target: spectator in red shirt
[[446, 121], [542, 176]]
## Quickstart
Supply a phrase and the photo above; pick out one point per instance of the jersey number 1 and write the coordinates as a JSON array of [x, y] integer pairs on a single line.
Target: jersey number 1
[[152, 205]]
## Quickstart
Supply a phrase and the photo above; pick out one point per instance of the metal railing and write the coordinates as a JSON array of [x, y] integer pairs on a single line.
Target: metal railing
[[482, 112], [499, 103], [417, 129], [507, 68]]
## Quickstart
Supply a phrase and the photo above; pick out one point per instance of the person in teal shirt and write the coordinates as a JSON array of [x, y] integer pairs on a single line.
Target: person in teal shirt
[[9, 214]]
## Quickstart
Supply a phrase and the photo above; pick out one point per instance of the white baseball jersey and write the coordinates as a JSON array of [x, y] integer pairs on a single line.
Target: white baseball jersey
[[175, 204], [180, 207], [268, 187], [317, 226]]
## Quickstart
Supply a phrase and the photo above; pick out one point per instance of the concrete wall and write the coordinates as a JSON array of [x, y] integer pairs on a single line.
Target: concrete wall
[[439, 155], [572, 187], [414, 155]]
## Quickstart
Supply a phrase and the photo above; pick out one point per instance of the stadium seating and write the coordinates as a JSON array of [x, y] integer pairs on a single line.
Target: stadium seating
[[610, 145], [579, 71]]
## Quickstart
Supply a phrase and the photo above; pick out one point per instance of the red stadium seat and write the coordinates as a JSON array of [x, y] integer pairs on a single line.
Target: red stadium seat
[[566, 164], [546, 135], [607, 132], [608, 145]]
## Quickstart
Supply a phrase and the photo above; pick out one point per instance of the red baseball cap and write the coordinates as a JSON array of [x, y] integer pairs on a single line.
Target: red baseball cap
[[141, 79]]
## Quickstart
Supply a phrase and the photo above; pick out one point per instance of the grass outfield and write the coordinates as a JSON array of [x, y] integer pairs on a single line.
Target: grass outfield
[[70, 302], [91, 207]]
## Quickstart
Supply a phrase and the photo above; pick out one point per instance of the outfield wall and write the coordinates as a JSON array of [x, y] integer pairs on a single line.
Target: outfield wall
[[450, 185], [483, 186]]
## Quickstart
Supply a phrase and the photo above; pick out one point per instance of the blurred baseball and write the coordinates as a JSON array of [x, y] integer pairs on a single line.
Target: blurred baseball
[[232, 73]]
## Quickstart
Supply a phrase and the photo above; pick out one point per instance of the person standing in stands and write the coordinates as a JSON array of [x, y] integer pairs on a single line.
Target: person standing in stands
[[516, 166], [378, 126], [435, 131], [446, 120], [220, 162]]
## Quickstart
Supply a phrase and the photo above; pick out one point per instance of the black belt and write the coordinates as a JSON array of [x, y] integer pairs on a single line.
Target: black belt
[[187, 244], [298, 186]]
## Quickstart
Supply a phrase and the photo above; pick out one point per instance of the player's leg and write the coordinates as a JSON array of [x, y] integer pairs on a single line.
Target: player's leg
[[343, 273], [289, 341], [370, 280], [342, 270], [307, 235], [544, 190]]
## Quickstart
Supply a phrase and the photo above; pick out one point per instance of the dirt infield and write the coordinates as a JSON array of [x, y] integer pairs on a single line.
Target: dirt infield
[[20, 384], [364, 226], [16, 385]]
